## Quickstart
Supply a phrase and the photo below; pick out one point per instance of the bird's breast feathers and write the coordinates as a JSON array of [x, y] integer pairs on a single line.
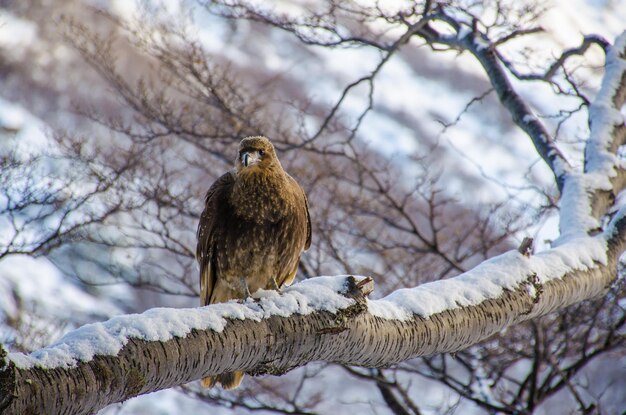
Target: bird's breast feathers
[[263, 197]]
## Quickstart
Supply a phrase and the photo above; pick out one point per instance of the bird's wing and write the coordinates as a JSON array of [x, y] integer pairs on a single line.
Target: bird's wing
[[295, 187], [286, 278], [205, 250]]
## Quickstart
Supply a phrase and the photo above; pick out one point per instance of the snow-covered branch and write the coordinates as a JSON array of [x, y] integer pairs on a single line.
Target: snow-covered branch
[[588, 196], [325, 318]]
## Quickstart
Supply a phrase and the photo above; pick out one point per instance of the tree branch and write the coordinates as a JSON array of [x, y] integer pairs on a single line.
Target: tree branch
[[131, 355], [559, 62], [479, 45], [587, 197]]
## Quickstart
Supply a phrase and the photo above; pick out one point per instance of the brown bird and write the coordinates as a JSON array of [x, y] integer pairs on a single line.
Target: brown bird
[[254, 227]]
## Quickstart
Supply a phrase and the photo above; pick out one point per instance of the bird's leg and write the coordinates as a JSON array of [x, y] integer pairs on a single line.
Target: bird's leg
[[274, 285], [244, 288]]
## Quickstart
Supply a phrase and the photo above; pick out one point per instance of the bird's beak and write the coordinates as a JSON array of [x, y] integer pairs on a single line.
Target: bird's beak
[[249, 158]]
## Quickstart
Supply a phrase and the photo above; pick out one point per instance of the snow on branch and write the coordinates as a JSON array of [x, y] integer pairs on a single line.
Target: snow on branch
[[587, 196], [163, 324], [487, 281], [324, 318]]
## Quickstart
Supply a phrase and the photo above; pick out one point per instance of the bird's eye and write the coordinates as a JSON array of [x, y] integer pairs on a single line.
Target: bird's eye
[[261, 152]]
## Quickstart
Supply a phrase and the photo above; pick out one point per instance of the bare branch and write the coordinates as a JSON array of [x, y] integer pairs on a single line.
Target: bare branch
[[559, 63], [479, 45]]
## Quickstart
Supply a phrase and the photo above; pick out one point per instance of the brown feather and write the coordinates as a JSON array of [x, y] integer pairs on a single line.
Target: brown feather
[[255, 225]]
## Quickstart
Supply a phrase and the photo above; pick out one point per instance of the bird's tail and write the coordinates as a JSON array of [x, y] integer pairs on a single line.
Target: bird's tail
[[228, 380]]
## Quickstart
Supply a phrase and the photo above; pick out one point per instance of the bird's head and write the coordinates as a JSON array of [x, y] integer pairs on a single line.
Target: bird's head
[[256, 153]]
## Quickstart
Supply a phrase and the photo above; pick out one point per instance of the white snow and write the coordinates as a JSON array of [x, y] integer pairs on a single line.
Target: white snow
[[162, 324], [621, 212], [16, 33], [37, 280], [575, 217], [488, 280], [482, 388], [603, 114], [28, 133], [463, 32], [480, 43], [567, 19], [601, 163]]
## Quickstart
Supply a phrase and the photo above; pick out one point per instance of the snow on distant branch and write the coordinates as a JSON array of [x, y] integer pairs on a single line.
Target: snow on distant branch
[[16, 33]]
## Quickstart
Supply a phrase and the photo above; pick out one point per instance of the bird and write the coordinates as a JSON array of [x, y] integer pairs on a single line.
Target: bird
[[252, 232]]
